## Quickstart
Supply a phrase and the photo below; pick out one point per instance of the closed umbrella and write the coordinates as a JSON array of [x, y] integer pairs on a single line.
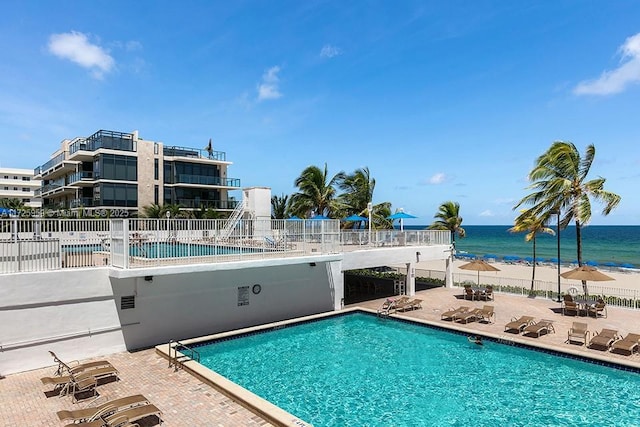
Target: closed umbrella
[[588, 274], [479, 265], [401, 216]]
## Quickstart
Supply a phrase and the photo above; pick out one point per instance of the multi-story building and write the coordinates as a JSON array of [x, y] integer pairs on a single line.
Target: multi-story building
[[20, 184], [121, 171]]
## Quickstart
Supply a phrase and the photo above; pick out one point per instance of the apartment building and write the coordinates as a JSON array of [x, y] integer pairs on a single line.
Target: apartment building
[[20, 184], [122, 172]]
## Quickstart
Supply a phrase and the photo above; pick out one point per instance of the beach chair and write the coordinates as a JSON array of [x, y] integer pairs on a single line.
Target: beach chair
[[391, 305], [74, 386], [486, 313], [465, 317], [133, 414], [75, 367], [599, 308], [518, 324], [570, 306], [537, 328], [487, 294], [604, 339], [448, 315], [578, 333], [95, 413], [629, 344], [413, 304]]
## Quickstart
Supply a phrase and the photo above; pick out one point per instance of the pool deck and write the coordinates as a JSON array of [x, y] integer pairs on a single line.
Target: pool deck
[[185, 400]]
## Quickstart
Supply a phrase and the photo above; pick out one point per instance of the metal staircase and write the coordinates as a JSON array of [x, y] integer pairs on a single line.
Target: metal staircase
[[233, 220]]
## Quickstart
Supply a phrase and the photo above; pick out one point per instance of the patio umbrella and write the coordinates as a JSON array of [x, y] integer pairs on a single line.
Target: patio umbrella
[[295, 218], [355, 218], [320, 217], [588, 274], [479, 265], [627, 265], [401, 216]]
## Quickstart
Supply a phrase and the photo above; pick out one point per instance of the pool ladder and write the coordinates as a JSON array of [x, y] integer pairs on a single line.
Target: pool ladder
[[177, 360]]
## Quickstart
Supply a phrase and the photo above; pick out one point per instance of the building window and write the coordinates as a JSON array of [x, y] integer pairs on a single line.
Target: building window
[[26, 178], [124, 195], [156, 194], [156, 150], [155, 169], [111, 166]]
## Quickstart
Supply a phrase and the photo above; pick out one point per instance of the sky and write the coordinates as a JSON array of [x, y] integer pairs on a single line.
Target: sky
[[441, 100]]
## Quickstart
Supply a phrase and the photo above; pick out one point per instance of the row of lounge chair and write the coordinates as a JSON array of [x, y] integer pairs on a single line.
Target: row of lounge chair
[[401, 304], [606, 339], [75, 377], [527, 325], [464, 314]]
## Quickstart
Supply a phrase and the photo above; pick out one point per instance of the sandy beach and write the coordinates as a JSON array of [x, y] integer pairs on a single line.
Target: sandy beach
[[623, 280]]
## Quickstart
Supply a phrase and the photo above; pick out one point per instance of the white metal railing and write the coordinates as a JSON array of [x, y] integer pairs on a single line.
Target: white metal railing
[[41, 244]]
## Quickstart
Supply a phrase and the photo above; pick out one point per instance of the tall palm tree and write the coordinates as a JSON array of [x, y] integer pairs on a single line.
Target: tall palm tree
[[279, 207], [448, 218], [527, 223], [317, 193], [559, 181], [357, 193]]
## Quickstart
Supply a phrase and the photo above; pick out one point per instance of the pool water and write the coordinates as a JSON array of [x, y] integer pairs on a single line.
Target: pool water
[[172, 250], [359, 370]]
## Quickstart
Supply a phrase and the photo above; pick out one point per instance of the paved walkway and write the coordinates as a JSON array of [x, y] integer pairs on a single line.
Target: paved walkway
[[184, 400]]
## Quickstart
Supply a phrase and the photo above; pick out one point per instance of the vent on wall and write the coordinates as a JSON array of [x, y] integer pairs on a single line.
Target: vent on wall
[[127, 302]]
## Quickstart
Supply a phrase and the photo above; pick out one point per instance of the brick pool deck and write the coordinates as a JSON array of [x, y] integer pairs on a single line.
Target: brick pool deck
[[185, 400]]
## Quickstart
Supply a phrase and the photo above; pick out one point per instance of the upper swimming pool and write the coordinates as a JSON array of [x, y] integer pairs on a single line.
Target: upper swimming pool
[[165, 249], [359, 370]]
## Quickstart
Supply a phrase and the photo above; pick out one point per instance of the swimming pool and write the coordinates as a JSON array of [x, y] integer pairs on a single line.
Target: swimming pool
[[358, 370], [164, 250]]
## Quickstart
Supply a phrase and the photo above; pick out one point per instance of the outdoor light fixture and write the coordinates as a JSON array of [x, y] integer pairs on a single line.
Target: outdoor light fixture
[[148, 278], [312, 264]]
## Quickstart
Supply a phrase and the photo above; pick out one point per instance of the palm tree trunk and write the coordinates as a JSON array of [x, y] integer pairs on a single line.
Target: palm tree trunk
[[533, 271], [579, 254]]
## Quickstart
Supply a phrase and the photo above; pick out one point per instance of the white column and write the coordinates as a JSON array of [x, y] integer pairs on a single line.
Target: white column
[[336, 278], [449, 272], [410, 285]]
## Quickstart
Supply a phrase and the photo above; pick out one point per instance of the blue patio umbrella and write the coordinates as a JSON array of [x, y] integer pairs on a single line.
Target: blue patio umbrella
[[528, 258], [610, 264], [319, 217], [511, 258], [592, 263], [627, 265], [355, 218], [490, 256], [401, 216], [554, 260]]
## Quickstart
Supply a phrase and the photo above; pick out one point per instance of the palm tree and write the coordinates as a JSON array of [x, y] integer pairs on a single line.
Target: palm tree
[[559, 181], [532, 225], [279, 207], [152, 211], [317, 193], [448, 218], [357, 193]]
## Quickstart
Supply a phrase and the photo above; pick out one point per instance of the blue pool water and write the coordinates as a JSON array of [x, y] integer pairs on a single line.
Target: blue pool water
[[165, 250], [358, 370]]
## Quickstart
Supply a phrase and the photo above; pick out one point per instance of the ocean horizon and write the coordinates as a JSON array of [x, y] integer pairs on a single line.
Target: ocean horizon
[[601, 244]]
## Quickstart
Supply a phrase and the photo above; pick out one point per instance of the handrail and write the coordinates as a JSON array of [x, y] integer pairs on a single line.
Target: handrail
[[232, 221], [41, 341], [177, 361]]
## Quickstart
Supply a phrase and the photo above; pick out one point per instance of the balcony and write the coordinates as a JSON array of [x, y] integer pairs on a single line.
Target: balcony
[[206, 180], [83, 202], [57, 166], [208, 204], [85, 177], [194, 153], [82, 147]]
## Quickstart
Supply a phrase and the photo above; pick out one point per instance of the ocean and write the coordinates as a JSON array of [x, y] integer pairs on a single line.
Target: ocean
[[600, 243]]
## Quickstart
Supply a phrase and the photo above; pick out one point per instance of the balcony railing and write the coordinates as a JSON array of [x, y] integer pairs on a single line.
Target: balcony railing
[[83, 202], [50, 187], [206, 180], [79, 176], [208, 204], [51, 163], [194, 153]]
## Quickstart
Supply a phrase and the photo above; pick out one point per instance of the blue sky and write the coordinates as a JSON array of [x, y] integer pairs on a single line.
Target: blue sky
[[441, 100]]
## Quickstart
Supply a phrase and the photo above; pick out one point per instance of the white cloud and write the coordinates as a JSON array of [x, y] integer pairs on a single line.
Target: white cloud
[[618, 79], [487, 213], [76, 47], [438, 178], [329, 51], [269, 87]]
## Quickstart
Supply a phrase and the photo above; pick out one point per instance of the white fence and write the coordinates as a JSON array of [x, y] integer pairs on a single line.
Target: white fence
[[620, 297], [51, 244]]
